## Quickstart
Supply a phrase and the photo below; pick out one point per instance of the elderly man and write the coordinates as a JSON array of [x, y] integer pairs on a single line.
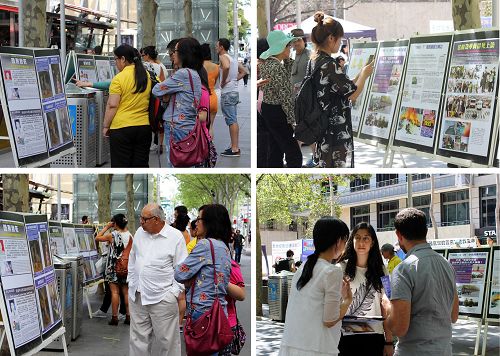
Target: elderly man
[[153, 292], [424, 300]]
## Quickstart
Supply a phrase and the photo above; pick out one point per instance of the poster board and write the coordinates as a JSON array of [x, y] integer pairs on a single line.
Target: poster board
[[70, 67], [468, 122], [441, 251], [84, 237], [471, 269], [105, 72], [279, 249], [493, 311], [452, 243], [86, 68], [70, 240], [424, 81], [382, 99], [56, 238], [361, 54]]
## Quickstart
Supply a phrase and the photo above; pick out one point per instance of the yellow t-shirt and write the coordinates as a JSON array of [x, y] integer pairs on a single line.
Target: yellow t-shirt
[[191, 244], [133, 108], [393, 262]]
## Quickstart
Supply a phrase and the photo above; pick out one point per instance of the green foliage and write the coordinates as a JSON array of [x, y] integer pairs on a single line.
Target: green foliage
[[245, 24]]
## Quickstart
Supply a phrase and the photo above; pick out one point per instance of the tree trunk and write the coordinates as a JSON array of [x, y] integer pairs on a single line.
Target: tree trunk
[[262, 18], [103, 188], [188, 17], [431, 209], [35, 23], [332, 205], [129, 187], [146, 25], [258, 268], [497, 208], [466, 15], [16, 193]]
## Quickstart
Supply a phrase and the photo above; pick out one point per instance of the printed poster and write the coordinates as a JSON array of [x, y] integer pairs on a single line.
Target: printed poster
[[470, 96], [86, 69], [494, 305], [361, 55], [56, 236], [425, 72], [383, 96], [70, 240], [470, 273], [104, 70]]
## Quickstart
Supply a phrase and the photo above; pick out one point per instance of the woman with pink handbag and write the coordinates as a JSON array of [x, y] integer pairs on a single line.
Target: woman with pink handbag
[[205, 273]]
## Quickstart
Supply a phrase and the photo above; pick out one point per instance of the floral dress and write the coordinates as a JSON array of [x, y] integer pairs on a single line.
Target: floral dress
[[115, 252], [335, 149]]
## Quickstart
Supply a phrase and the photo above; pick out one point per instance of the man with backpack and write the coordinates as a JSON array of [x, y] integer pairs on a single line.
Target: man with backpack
[[153, 293]]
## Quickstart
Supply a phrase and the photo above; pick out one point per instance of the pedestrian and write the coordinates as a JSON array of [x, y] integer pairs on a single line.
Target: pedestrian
[[213, 75], [230, 72], [363, 266], [171, 50], [424, 300], [263, 135], [181, 221], [198, 269], [183, 92], [85, 219], [319, 296], [126, 121], [335, 147], [278, 101], [194, 238], [246, 67], [287, 264], [387, 251], [120, 241], [238, 245], [158, 248]]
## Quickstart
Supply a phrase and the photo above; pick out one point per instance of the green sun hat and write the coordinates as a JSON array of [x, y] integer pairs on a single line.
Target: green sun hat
[[277, 41]]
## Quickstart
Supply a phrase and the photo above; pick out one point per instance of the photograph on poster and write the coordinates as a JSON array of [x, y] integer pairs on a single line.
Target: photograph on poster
[[44, 238], [82, 241], [56, 76], [53, 128], [54, 301], [43, 300], [36, 256], [70, 240], [87, 70], [456, 135], [65, 124], [494, 307], [104, 71], [45, 84]]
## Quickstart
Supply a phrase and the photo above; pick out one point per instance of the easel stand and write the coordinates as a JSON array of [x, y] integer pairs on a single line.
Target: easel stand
[[91, 289]]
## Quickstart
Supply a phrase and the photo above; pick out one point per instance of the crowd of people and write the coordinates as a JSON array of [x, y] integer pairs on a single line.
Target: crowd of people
[[345, 281], [188, 98], [327, 128], [164, 273]]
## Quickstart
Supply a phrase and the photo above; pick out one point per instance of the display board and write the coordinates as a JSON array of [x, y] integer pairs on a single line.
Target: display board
[[105, 72], [471, 269], [459, 242], [56, 238], [70, 239], [86, 68], [442, 252], [70, 67], [494, 297], [384, 91], [468, 120], [423, 82], [79, 240], [361, 55], [279, 249]]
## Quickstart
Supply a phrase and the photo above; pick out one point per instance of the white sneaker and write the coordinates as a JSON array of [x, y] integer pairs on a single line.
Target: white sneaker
[[121, 317], [153, 147], [99, 314]]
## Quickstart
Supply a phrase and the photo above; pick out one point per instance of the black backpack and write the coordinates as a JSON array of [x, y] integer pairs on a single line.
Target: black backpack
[[309, 116], [156, 107]]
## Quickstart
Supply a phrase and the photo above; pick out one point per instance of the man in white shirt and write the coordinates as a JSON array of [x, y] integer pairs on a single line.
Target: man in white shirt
[[153, 292]]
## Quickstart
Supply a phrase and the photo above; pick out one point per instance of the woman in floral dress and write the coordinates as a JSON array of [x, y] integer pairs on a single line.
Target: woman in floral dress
[[335, 149]]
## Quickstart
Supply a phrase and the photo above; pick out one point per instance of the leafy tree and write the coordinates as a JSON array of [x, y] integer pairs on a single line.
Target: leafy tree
[[244, 25]]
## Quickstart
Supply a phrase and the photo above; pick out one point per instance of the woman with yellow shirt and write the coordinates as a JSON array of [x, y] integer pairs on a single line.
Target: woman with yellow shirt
[[126, 121], [213, 74]]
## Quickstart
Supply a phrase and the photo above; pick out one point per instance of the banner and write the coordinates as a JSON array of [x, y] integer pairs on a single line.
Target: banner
[[279, 249], [459, 242], [307, 249]]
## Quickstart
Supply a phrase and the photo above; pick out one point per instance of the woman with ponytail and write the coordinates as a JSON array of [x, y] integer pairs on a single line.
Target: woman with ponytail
[[126, 121], [335, 148], [319, 296]]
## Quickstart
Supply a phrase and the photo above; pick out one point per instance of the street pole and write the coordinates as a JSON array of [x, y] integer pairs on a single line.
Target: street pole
[[62, 27], [335, 8], [497, 208], [298, 18], [494, 21], [268, 15], [158, 189], [235, 29], [410, 190], [21, 23], [118, 23], [58, 197]]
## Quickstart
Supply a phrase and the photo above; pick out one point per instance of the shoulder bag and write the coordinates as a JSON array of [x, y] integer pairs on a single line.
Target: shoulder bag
[[211, 332], [121, 266]]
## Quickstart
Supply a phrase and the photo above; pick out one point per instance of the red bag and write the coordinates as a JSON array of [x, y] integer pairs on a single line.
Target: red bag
[[121, 266], [211, 332], [192, 149]]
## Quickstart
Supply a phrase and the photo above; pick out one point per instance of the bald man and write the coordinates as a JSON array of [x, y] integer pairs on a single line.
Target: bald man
[[153, 293]]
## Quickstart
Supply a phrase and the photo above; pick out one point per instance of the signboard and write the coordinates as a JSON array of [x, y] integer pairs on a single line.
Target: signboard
[[279, 249], [307, 249], [458, 242], [384, 91], [471, 267], [423, 83], [494, 297], [361, 54], [468, 116]]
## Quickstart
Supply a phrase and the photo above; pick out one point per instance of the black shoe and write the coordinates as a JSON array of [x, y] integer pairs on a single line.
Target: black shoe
[[229, 153]]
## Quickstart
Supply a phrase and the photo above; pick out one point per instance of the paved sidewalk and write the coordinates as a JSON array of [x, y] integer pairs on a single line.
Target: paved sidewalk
[[268, 337]]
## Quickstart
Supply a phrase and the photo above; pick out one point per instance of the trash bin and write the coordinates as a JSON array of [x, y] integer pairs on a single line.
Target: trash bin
[[77, 293], [82, 110], [277, 296], [102, 147], [64, 288]]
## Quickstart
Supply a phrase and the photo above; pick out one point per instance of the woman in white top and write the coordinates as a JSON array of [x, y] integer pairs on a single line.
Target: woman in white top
[[118, 241], [319, 297], [363, 266]]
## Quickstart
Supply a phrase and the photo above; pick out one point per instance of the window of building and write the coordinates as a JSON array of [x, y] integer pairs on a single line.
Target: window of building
[[360, 214], [488, 205], [386, 213], [358, 184], [387, 179], [423, 203], [455, 208], [420, 176]]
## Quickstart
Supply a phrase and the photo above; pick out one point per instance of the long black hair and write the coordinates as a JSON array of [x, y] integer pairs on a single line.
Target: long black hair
[[375, 265], [326, 233], [191, 56], [132, 56], [151, 52], [120, 220], [181, 222], [216, 222]]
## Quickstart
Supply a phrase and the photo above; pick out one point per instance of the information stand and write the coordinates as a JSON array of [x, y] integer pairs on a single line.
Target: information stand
[[34, 105]]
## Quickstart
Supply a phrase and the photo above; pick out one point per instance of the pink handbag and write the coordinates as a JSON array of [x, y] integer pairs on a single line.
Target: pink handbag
[[192, 149]]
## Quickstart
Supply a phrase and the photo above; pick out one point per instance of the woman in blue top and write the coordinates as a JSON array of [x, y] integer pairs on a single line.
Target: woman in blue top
[[183, 99], [213, 224]]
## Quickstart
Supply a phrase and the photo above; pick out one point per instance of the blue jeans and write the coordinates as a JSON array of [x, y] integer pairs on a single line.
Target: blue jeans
[[237, 253], [228, 105]]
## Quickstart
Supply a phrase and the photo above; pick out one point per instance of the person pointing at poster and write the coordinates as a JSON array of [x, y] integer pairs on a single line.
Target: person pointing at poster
[[424, 300]]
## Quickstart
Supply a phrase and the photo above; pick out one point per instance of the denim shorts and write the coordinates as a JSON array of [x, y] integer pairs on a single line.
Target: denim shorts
[[229, 102]]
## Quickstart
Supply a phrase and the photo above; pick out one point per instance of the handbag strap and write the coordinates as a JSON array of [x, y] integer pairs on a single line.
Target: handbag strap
[[215, 276], [173, 104]]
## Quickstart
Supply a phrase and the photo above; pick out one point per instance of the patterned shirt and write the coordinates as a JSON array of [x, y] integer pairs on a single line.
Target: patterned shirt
[[279, 89], [199, 264]]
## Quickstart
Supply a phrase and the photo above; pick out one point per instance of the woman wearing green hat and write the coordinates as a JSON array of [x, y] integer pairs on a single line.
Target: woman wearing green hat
[[335, 91], [278, 101]]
